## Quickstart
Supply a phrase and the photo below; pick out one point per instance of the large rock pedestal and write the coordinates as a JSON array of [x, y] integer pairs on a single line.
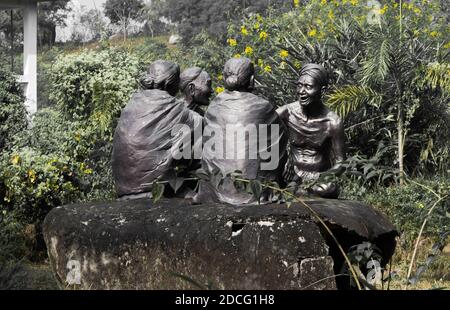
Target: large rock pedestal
[[176, 245]]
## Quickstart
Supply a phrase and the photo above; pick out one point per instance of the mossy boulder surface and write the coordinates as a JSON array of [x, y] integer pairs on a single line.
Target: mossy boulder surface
[[174, 244]]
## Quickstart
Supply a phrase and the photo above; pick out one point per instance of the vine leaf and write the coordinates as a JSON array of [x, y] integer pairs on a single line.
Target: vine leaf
[[176, 183], [256, 188], [157, 191]]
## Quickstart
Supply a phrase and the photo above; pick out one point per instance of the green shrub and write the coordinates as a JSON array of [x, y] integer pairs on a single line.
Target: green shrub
[[32, 183], [407, 206], [13, 115], [93, 85], [12, 242]]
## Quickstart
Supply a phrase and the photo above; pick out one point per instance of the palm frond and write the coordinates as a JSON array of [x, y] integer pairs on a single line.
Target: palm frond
[[437, 75], [377, 63], [349, 98]]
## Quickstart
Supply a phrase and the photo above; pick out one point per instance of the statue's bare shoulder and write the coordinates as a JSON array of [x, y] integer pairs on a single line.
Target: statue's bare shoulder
[[283, 111]]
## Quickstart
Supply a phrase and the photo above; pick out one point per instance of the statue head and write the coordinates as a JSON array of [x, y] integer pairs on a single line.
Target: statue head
[[238, 74], [195, 83], [313, 80], [163, 75]]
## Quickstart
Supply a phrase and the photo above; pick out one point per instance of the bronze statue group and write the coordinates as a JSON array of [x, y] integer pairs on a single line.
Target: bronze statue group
[[305, 138]]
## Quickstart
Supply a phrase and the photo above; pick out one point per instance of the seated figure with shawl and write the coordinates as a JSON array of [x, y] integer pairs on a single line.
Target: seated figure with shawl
[[144, 141], [195, 84], [316, 134], [242, 132]]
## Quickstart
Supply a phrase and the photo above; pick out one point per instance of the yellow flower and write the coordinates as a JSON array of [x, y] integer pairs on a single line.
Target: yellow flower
[[77, 137], [259, 18], [417, 11], [267, 68], [323, 2], [15, 159], [296, 3], [220, 77], [263, 35], [434, 34], [260, 63], [395, 5], [312, 33], [383, 10], [249, 50], [237, 56], [219, 90], [284, 54], [354, 2], [447, 45], [256, 26], [331, 14], [244, 31], [32, 175], [232, 42], [360, 19]]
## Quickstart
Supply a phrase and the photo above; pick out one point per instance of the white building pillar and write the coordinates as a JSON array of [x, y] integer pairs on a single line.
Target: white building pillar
[[30, 55]]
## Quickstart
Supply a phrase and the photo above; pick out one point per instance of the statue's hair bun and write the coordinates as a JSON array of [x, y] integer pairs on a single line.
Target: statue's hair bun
[[237, 73]]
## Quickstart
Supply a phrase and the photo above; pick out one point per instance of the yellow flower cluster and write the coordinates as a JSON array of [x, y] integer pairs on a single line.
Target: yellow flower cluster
[[85, 169], [383, 10], [232, 42], [263, 35], [15, 160], [312, 33], [323, 2], [447, 45], [237, 56], [284, 54], [331, 14], [268, 69], [296, 3], [220, 90], [32, 175], [244, 31], [354, 2], [248, 50]]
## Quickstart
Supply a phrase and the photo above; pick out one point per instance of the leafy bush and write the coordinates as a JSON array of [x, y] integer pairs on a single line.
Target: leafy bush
[[33, 183], [13, 115], [12, 243], [94, 85], [407, 206]]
